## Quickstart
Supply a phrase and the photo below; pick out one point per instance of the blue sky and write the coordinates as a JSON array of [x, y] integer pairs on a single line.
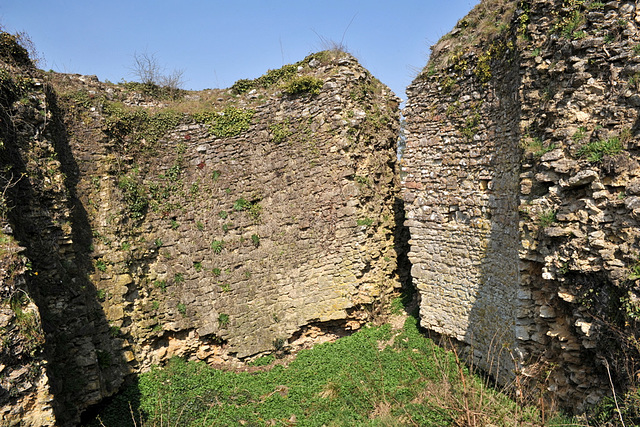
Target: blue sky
[[219, 42]]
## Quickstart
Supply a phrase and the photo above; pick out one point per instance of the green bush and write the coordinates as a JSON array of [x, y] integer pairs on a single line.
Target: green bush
[[242, 86], [230, 122], [122, 121], [303, 85], [280, 131], [11, 49]]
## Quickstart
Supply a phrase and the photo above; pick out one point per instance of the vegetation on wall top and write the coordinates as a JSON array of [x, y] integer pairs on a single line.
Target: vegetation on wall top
[[14, 48], [284, 74]]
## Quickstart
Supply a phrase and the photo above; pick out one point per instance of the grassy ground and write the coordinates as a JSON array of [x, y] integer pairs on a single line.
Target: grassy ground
[[379, 376]]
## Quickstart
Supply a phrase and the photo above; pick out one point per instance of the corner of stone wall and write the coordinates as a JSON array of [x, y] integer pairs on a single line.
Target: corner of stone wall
[[520, 179]]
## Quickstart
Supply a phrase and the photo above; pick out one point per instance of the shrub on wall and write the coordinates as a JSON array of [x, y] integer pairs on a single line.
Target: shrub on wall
[[303, 85]]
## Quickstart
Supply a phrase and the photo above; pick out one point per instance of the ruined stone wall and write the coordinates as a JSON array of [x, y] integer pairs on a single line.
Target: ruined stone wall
[[462, 165], [219, 226], [579, 230], [542, 95]]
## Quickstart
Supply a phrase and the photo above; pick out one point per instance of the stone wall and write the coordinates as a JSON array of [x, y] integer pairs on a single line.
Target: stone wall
[[219, 226], [461, 191], [520, 170]]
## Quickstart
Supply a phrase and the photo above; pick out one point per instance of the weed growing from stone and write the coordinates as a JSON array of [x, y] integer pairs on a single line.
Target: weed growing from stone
[[114, 331], [161, 284], [364, 222], [217, 246], [182, 309], [223, 320], [547, 218], [595, 151], [101, 265]]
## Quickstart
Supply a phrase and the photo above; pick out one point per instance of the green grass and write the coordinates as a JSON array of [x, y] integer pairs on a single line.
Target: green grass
[[356, 380], [595, 151], [536, 146]]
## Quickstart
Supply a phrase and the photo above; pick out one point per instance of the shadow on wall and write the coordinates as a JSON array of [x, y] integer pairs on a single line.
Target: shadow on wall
[[492, 319], [84, 363], [401, 246]]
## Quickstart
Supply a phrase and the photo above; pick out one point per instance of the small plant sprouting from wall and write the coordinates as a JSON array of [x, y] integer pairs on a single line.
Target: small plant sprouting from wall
[[240, 205], [254, 208], [255, 239], [114, 331], [27, 321], [217, 246], [178, 278], [197, 265], [595, 151], [160, 284], [182, 308], [101, 265], [579, 135], [546, 218], [364, 222], [223, 320], [104, 359], [536, 146], [362, 180], [634, 273]]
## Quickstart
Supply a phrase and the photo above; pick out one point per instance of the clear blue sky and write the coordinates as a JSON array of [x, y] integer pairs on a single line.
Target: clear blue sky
[[219, 42]]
